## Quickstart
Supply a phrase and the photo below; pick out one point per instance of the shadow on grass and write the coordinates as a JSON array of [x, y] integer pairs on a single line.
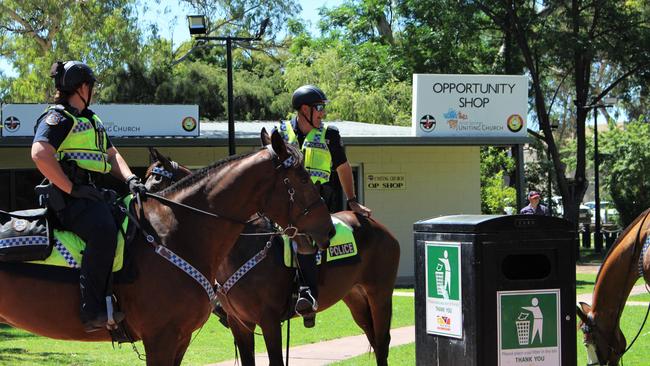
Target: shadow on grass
[[8, 333], [9, 356], [589, 256]]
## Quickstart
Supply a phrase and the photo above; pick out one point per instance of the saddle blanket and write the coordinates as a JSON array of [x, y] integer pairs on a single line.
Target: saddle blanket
[[69, 247], [342, 245]]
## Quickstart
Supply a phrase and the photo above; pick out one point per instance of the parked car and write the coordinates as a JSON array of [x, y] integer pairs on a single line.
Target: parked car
[[608, 213], [584, 214]]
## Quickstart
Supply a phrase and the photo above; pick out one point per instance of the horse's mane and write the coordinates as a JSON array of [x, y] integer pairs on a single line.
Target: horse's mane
[[620, 238], [203, 172]]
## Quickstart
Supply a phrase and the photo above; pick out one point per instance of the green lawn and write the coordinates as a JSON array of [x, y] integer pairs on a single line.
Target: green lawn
[[630, 323], [214, 343], [211, 344]]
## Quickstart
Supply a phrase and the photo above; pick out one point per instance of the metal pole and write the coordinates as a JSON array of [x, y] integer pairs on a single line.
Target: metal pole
[[518, 152], [598, 238], [231, 117]]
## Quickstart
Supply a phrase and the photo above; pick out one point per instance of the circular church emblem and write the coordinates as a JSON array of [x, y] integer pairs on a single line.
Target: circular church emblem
[[427, 123], [12, 124], [515, 123], [189, 124]]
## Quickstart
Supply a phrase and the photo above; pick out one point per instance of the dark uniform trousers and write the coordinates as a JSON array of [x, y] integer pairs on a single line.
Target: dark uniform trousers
[[93, 222]]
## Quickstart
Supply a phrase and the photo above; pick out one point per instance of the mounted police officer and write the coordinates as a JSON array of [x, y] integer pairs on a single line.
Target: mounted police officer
[[323, 152], [71, 149]]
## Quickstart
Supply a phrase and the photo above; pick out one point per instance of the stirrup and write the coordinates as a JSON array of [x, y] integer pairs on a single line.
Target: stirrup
[[306, 303]]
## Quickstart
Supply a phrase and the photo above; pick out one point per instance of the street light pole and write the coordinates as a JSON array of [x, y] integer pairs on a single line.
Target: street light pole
[[197, 25], [231, 113], [598, 236]]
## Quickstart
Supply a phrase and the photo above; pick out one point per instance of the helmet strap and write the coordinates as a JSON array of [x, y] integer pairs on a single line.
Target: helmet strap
[[86, 101], [310, 120]]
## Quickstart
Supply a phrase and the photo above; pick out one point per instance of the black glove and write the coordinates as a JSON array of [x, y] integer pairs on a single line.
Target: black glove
[[136, 187], [86, 191]]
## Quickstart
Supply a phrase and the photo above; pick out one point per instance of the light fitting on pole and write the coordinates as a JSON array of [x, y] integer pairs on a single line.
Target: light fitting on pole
[[196, 24]]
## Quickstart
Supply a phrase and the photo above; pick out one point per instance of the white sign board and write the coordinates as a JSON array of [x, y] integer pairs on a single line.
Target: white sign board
[[444, 308], [469, 106], [120, 120], [385, 181]]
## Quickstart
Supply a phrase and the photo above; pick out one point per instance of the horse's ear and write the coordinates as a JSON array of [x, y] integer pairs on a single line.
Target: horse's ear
[[583, 311], [279, 146], [264, 136], [153, 155]]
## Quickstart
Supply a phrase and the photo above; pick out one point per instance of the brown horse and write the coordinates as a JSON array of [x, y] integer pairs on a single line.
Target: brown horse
[[271, 179], [619, 272], [263, 295]]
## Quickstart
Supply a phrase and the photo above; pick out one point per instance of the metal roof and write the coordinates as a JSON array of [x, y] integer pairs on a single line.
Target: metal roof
[[248, 134]]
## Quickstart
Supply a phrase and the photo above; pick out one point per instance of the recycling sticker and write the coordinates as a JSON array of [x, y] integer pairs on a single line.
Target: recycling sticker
[[529, 327], [444, 312]]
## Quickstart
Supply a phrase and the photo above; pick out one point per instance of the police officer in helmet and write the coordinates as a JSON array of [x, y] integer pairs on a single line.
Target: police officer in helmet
[[323, 152], [71, 149]]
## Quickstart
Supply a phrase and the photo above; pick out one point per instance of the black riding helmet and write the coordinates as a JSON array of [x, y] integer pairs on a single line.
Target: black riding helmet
[[309, 95], [68, 75]]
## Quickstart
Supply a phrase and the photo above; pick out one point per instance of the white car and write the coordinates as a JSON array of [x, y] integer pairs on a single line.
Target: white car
[[584, 216], [608, 213]]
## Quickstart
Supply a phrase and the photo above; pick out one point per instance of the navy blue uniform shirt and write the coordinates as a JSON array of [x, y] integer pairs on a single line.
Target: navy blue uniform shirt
[[53, 126]]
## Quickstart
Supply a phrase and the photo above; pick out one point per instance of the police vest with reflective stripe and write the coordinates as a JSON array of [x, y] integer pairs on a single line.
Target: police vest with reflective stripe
[[318, 160], [85, 144]]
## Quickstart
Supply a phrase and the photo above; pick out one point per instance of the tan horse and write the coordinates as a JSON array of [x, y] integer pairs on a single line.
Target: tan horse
[[600, 322], [164, 305], [263, 295]]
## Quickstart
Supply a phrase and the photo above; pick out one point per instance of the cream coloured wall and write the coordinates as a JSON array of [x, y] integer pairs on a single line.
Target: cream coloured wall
[[440, 180]]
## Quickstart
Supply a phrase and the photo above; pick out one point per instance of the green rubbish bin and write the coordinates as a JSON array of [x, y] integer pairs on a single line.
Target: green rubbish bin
[[495, 290]]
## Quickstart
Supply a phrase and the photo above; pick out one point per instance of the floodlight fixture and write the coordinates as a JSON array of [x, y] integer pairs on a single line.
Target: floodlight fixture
[[197, 24]]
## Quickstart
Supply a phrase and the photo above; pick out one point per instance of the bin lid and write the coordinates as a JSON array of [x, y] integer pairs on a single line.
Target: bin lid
[[492, 223]]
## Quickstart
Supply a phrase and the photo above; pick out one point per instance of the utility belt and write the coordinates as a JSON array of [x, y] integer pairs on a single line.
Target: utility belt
[[76, 174]]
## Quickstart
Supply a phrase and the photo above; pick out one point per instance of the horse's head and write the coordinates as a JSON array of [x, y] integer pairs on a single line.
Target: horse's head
[[163, 171], [603, 348], [295, 201]]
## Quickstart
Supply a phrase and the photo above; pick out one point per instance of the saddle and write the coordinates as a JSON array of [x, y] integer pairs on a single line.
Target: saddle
[[29, 236]]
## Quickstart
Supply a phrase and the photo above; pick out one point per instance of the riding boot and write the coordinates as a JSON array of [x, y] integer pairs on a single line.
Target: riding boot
[[94, 223], [307, 303]]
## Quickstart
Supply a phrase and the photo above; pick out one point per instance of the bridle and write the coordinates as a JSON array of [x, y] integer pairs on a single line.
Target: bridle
[[280, 166]]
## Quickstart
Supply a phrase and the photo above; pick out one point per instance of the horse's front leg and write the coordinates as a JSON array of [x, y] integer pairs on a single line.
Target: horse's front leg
[[165, 348], [273, 338], [244, 338]]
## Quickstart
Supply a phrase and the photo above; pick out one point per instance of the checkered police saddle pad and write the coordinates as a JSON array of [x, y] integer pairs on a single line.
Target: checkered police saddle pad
[[342, 245], [24, 235], [68, 246]]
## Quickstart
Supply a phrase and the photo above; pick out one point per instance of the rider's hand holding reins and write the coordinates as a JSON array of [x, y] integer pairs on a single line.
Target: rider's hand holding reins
[[355, 206], [136, 187], [86, 191]]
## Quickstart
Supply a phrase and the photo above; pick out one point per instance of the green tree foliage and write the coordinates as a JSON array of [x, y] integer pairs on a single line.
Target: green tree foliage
[[563, 40], [34, 34], [625, 165], [495, 194]]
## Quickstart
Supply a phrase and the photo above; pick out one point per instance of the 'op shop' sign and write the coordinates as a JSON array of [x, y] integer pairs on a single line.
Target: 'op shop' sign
[[120, 120], [469, 105]]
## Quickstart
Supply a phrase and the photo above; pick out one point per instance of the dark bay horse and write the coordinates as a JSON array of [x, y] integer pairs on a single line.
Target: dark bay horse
[[622, 267], [163, 305], [263, 295]]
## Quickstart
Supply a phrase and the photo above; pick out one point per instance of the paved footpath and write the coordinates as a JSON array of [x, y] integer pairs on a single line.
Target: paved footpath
[[325, 353]]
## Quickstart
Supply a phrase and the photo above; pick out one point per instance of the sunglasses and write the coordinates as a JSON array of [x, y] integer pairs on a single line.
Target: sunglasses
[[319, 107]]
